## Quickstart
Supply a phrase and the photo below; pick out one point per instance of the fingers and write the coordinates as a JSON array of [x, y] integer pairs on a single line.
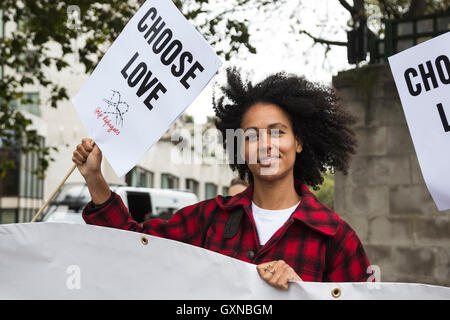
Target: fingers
[[266, 270], [277, 274], [288, 275], [82, 151], [88, 144], [280, 269], [78, 158]]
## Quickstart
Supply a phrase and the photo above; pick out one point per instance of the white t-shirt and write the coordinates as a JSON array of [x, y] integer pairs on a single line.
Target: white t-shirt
[[269, 221]]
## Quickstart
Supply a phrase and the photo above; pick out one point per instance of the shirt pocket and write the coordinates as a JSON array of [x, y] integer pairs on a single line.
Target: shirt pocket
[[310, 276]]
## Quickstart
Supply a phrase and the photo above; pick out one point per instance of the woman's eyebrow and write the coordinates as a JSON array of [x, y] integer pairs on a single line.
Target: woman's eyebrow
[[254, 128], [277, 124], [270, 126]]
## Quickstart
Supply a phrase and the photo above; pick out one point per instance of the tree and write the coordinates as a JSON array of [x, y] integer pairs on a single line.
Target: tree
[[36, 24], [373, 12], [326, 192], [25, 53]]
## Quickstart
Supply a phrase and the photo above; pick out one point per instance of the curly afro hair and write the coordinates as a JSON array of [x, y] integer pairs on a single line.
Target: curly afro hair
[[316, 114]]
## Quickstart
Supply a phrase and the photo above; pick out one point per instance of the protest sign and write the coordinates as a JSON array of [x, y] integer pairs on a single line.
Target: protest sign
[[422, 77], [151, 73], [73, 261]]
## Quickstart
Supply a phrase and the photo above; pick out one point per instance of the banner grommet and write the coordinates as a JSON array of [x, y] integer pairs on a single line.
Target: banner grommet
[[336, 293]]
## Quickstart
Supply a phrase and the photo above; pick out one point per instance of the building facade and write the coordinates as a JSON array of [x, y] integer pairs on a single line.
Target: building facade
[[22, 193]]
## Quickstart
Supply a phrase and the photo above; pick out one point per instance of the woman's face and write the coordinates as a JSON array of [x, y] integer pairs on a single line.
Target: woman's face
[[270, 145]]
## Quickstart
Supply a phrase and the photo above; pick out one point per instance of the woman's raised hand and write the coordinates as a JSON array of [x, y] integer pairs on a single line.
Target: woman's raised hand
[[88, 158]]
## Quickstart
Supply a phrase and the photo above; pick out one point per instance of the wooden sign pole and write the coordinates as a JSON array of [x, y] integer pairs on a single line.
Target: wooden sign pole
[[54, 193]]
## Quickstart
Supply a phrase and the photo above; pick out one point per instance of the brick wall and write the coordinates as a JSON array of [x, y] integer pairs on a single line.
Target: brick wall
[[384, 197]]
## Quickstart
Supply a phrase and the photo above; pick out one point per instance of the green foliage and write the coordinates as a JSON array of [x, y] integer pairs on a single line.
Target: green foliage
[[188, 118], [25, 52], [326, 192]]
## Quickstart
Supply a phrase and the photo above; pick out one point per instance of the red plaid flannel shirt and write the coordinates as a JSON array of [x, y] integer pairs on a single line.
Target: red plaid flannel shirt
[[314, 241]]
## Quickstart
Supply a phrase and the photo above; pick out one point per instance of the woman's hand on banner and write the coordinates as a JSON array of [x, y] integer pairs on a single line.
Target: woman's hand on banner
[[277, 274]]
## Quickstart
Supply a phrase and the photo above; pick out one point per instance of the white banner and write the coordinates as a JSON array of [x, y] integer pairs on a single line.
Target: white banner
[[422, 77], [71, 261], [151, 73]]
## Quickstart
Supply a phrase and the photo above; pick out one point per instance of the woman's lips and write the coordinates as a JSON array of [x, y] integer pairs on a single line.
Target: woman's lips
[[267, 162]]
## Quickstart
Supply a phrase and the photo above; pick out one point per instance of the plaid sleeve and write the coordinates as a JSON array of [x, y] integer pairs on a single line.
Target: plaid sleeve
[[348, 260], [186, 225]]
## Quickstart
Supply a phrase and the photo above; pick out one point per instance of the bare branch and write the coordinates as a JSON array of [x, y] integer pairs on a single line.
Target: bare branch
[[347, 6], [324, 41]]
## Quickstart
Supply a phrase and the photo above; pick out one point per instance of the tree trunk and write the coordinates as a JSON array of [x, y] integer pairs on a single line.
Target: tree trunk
[[359, 18], [416, 8]]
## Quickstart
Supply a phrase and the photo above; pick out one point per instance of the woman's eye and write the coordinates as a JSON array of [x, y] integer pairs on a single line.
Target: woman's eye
[[251, 137], [276, 133]]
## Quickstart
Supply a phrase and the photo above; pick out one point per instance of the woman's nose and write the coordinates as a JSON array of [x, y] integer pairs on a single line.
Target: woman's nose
[[264, 142]]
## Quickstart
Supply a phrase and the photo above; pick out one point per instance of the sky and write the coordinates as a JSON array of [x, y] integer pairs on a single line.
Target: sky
[[279, 48]]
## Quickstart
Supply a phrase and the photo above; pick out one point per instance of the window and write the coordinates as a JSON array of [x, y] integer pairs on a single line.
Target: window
[[26, 214], [139, 177], [192, 185], [21, 181], [30, 186], [169, 181], [9, 184], [225, 191], [8, 216], [40, 182], [28, 103], [210, 190], [443, 23], [1, 24], [139, 205], [29, 173]]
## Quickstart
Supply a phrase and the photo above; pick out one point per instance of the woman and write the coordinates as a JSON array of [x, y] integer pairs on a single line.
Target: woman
[[293, 131], [236, 186]]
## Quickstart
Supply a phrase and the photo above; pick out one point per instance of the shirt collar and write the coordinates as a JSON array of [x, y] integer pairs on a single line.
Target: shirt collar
[[310, 211]]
